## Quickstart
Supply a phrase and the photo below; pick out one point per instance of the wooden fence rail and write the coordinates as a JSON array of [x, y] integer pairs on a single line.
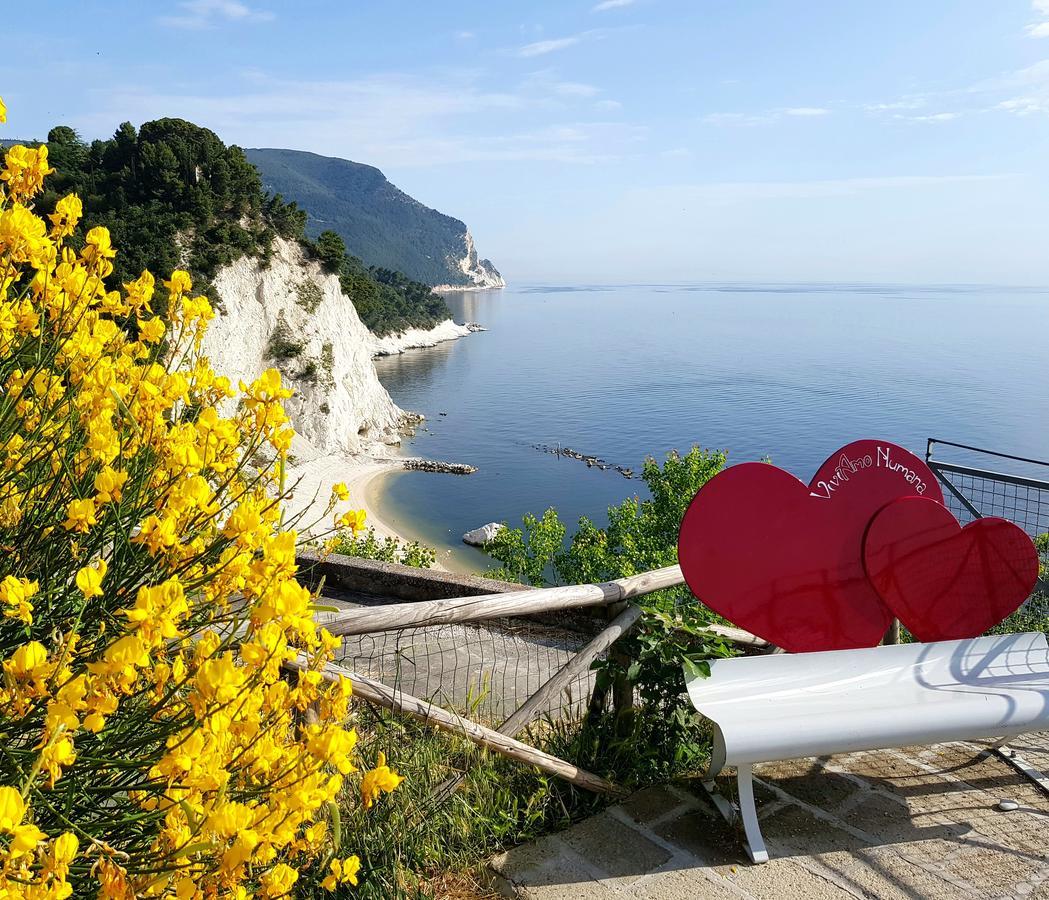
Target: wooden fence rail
[[375, 691], [368, 620], [397, 616]]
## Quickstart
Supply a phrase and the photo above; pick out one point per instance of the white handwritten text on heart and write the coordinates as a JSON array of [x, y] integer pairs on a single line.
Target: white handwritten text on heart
[[882, 460]]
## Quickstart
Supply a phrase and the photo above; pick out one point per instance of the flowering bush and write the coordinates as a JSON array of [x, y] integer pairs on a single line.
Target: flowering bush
[[149, 744]]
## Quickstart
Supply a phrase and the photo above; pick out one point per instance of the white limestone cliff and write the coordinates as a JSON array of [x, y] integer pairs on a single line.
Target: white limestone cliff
[[290, 314], [415, 338], [480, 272]]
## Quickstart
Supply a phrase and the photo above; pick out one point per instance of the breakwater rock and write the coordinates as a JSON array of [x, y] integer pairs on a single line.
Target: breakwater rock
[[434, 465], [592, 462], [481, 536], [410, 422]]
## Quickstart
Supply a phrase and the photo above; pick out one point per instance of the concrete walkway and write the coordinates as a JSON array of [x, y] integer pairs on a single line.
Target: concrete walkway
[[917, 823]]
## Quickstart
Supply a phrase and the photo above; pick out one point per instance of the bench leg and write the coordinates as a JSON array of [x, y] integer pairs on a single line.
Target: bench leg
[[749, 813]]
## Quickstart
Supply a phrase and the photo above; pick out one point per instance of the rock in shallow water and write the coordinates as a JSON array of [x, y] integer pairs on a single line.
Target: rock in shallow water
[[481, 536]]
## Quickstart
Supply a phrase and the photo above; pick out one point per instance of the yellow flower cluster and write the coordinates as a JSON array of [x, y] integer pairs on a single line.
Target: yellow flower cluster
[[153, 746], [377, 781]]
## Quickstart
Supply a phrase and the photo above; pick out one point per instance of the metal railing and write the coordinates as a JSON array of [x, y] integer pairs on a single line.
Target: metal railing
[[978, 482]]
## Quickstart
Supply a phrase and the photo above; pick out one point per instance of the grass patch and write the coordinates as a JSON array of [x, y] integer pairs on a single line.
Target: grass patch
[[283, 344], [308, 295], [412, 845]]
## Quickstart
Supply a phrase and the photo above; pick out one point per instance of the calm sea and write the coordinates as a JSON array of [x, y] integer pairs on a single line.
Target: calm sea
[[791, 372]]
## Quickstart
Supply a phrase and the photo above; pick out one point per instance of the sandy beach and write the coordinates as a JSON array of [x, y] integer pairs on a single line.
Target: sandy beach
[[363, 476], [313, 480]]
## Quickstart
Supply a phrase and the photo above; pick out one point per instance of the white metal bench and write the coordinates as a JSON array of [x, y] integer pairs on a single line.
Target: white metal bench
[[791, 706]]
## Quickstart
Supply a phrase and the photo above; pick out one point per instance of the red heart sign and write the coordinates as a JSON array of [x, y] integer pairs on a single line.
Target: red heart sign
[[785, 560], [942, 581]]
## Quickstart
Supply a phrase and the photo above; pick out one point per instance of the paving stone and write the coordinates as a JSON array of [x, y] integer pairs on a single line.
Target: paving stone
[[881, 872], [614, 848], [993, 874], [964, 809], [726, 783], [985, 772], [1034, 748], [931, 837], [792, 830], [652, 803], [890, 819], [684, 884], [558, 879], [781, 880], [809, 782], [518, 863], [1025, 835], [788, 768], [934, 852], [881, 768], [712, 841]]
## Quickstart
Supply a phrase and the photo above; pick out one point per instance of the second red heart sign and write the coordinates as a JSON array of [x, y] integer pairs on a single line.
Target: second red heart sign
[[784, 559], [942, 581]]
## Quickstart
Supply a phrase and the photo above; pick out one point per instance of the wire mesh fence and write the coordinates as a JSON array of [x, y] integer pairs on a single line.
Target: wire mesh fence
[[484, 671], [978, 482]]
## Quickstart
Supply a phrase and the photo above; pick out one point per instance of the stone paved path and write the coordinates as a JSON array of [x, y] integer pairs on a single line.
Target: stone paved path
[[916, 823]]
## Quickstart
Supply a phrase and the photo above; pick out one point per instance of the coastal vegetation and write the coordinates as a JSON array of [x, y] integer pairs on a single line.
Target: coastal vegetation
[[432, 842], [151, 744], [368, 545], [659, 734], [387, 301], [175, 196], [171, 194]]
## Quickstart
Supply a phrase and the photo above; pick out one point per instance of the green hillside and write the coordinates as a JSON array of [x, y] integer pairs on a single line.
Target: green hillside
[[378, 222], [173, 195]]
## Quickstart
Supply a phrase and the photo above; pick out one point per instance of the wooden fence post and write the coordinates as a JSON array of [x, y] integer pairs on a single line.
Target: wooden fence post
[[622, 689]]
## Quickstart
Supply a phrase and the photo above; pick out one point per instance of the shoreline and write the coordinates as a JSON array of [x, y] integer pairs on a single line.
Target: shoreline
[[465, 288], [364, 476], [373, 486], [313, 480], [421, 338]]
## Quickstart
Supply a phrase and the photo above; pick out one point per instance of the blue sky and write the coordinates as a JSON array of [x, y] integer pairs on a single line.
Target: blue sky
[[624, 140]]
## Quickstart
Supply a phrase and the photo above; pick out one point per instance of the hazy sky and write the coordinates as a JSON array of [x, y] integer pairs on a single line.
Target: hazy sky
[[624, 140]]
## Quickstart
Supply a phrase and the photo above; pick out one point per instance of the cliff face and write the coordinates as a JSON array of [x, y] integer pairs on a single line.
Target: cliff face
[[291, 315], [417, 338], [378, 222], [480, 273]]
